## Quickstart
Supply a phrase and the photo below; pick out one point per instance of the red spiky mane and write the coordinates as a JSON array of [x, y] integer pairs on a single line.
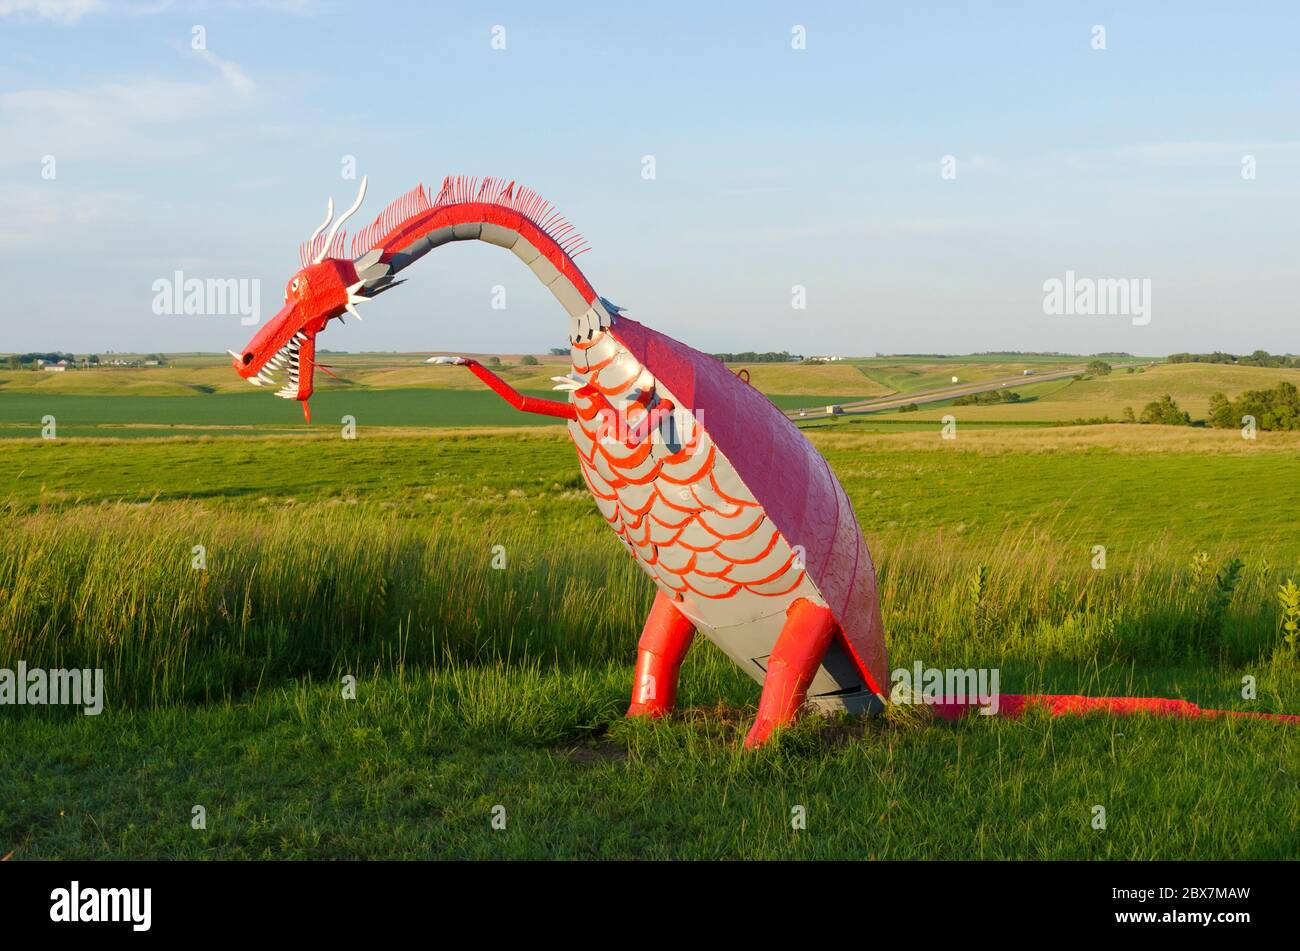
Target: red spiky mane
[[456, 189]]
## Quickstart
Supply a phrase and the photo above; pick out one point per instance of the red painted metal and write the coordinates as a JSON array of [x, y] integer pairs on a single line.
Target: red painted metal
[[737, 518], [795, 658], [800, 495], [526, 404], [664, 641], [1012, 706]]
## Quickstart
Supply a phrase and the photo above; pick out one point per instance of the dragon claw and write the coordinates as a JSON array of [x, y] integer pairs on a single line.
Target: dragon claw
[[652, 710]]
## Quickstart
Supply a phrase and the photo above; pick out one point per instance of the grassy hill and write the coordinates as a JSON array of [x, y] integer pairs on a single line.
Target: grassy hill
[[400, 389], [912, 377], [208, 375], [201, 394], [202, 375], [841, 380], [1190, 384]]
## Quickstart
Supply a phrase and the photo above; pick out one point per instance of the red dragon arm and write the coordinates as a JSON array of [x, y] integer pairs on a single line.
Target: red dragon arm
[[528, 404]]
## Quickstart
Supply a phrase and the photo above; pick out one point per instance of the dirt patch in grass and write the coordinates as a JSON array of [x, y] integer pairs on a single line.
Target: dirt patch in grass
[[596, 752]]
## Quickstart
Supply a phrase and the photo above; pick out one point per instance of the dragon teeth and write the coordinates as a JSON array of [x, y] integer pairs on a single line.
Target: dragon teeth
[[284, 358]]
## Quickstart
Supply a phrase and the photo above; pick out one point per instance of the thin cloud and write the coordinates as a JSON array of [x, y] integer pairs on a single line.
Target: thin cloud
[[113, 121], [883, 228], [60, 11], [977, 163], [230, 71], [1200, 149], [49, 213], [758, 190]]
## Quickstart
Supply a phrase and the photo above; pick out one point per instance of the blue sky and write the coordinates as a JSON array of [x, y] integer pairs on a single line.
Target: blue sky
[[774, 167]]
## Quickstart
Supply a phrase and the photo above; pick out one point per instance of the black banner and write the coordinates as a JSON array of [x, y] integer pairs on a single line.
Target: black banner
[[1020, 899]]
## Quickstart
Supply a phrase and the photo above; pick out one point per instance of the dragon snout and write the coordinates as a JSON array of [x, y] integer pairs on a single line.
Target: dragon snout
[[291, 367]]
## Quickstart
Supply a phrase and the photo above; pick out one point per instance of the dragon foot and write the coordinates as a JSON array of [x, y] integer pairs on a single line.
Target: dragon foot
[[791, 667], [663, 645]]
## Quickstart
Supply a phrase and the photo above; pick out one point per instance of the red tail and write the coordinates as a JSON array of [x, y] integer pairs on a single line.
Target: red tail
[[1012, 705]]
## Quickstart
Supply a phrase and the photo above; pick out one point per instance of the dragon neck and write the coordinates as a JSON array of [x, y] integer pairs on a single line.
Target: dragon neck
[[466, 210]]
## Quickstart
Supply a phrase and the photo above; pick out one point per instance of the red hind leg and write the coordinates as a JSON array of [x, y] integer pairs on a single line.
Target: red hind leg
[[662, 647], [791, 667]]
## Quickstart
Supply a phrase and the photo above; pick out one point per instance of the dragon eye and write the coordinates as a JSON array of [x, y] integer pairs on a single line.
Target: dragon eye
[[294, 285]]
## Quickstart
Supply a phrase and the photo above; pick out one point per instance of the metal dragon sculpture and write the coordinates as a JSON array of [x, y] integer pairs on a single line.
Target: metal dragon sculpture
[[738, 520]]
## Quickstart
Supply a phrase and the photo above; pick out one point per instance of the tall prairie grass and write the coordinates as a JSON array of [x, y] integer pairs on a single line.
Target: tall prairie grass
[[319, 588]]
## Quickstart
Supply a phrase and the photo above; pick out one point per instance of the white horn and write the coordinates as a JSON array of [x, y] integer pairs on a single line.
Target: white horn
[[329, 214], [361, 194]]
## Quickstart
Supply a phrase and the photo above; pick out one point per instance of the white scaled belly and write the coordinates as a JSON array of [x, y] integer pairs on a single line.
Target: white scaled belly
[[684, 514]]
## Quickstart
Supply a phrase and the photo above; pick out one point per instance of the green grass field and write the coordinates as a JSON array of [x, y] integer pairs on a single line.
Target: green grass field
[[252, 413], [479, 687], [1063, 401], [199, 394], [914, 376], [251, 410]]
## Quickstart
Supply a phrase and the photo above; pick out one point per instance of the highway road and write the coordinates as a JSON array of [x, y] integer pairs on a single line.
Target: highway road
[[921, 397]]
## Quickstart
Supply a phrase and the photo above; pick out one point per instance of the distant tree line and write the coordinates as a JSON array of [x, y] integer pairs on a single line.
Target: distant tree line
[[992, 396], [749, 356], [1113, 355], [1260, 358], [1098, 420], [18, 360], [1278, 408]]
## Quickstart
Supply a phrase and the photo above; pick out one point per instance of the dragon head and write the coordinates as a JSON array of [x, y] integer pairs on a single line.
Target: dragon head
[[326, 287]]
